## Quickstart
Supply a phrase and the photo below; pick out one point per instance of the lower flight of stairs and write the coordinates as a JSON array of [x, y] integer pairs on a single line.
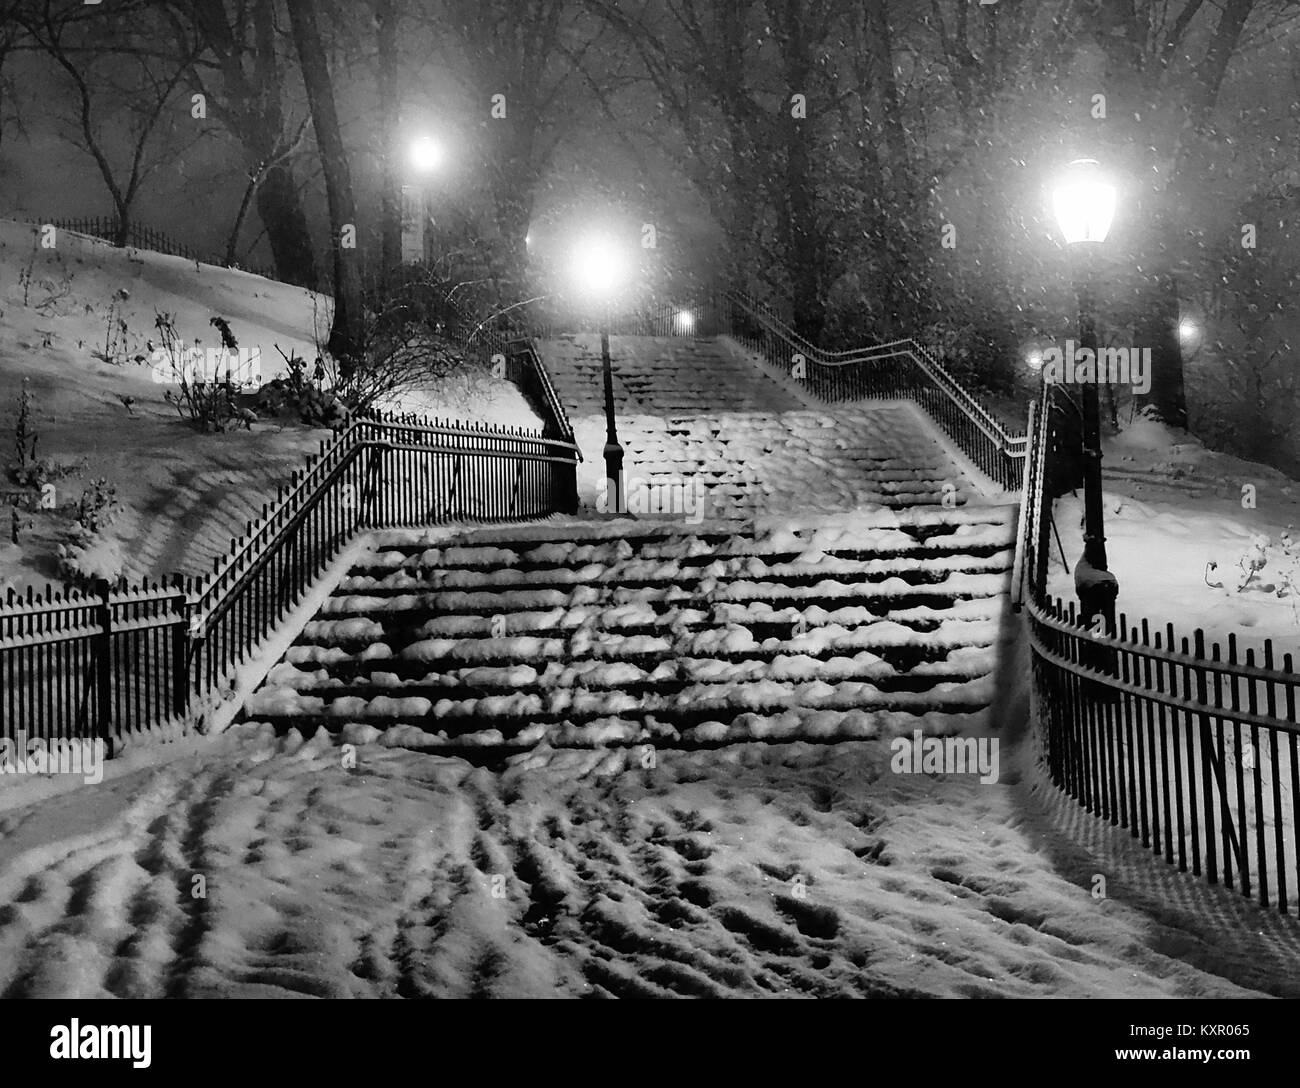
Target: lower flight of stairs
[[626, 632]]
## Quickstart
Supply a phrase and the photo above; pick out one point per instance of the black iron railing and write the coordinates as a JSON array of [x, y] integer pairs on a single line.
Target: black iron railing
[[115, 661], [1189, 745], [900, 369], [142, 236]]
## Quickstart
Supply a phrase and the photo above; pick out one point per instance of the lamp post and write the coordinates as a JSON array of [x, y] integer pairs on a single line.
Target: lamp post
[[426, 158], [1084, 203], [601, 270]]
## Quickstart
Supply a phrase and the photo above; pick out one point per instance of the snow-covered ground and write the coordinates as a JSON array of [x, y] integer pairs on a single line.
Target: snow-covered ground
[[355, 864], [184, 494], [273, 867], [1172, 509]]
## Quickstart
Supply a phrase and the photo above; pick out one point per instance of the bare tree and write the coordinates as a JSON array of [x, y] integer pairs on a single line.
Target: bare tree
[[241, 74], [347, 332], [1163, 110], [115, 75], [387, 69]]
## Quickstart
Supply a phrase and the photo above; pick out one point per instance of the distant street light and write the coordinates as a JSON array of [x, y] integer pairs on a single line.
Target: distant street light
[[686, 322], [426, 158], [601, 270], [1191, 335], [1084, 203], [426, 155]]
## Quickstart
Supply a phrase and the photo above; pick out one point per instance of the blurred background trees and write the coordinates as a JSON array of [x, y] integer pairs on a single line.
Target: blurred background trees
[[873, 168]]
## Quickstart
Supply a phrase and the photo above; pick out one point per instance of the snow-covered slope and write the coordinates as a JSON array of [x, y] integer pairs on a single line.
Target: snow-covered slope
[[859, 627], [185, 494], [1198, 538]]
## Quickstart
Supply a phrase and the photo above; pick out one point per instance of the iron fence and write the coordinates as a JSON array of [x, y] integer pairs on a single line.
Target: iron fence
[[1188, 744], [142, 236], [112, 661]]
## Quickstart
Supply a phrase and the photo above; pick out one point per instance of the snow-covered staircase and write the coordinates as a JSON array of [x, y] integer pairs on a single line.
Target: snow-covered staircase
[[661, 376], [577, 633], [845, 458], [703, 416]]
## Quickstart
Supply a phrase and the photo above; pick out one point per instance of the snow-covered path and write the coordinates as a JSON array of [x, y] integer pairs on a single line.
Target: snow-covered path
[[793, 870]]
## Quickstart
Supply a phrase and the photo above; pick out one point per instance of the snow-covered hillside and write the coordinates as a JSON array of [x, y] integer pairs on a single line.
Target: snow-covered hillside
[[1172, 509], [184, 494]]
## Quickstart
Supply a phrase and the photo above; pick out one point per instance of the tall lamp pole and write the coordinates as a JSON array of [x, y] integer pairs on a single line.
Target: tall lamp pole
[[1085, 207], [601, 268], [613, 448], [426, 159]]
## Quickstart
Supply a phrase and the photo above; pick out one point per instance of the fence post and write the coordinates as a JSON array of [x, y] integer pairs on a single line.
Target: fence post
[[180, 662], [374, 476], [104, 661]]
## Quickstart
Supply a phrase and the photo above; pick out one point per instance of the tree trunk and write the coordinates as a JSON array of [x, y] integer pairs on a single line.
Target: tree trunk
[[1121, 36], [122, 236], [390, 198], [801, 235], [880, 35], [347, 333], [279, 207], [1157, 328], [232, 241]]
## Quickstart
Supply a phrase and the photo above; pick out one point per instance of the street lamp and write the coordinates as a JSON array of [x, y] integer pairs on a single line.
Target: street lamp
[[600, 269], [426, 157], [1084, 202]]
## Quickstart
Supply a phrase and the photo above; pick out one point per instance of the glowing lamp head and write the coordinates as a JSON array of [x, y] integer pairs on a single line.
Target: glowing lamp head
[[686, 321], [1035, 360], [1188, 331], [600, 267], [1084, 202], [426, 155]]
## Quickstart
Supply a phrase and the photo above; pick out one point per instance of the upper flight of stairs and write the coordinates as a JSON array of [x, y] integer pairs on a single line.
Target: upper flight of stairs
[[661, 376], [586, 634], [703, 413], [844, 458]]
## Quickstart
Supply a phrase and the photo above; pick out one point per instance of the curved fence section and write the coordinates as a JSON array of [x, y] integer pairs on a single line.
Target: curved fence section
[[107, 663], [1188, 744]]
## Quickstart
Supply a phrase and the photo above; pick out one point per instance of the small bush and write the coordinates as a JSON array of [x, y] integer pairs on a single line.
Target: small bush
[[25, 436], [204, 401], [296, 396], [86, 553]]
